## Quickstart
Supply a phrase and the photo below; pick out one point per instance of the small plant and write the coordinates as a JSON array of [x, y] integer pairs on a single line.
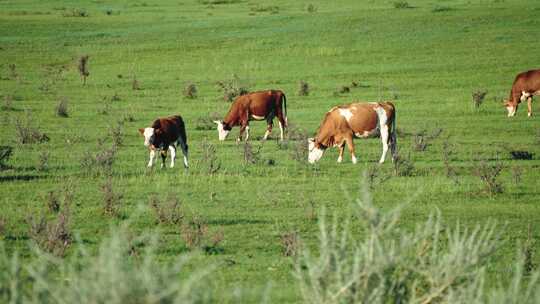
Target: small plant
[[344, 89], [272, 9], [419, 142], [105, 108], [112, 202], [8, 103], [251, 156], [100, 162], [303, 88], [403, 166], [27, 134], [13, 71], [83, 68], [516, 174], [194, 232], [5, 154], [207, 122], [3, 224], [116, 97], [375, 177], [61, 109], [43, 161], [311, 8], [53, 202], [190, 91], [117, 134], [168, 212], [528, 252], [76, 12], [290, 243], [489, 175], [209, 157], [447, 152], [135, 85], [311, 211], [232, 88], [478, 98], [401, 4], [523, 155], [52, 236]]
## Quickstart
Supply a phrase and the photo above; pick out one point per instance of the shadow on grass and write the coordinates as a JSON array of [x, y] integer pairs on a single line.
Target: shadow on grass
[[26, 177], [230, 222]]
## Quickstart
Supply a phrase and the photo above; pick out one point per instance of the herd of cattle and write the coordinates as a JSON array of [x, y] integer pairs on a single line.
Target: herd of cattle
[[338, 128]]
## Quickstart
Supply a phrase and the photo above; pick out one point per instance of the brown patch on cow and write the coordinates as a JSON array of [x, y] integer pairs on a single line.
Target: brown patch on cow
[[525, 83], [141, 131]]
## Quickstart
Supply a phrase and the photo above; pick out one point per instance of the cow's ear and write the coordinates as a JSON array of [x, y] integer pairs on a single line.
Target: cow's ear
[[141, 131]]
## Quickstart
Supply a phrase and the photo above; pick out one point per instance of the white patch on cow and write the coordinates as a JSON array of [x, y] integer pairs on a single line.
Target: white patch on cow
[[383, 127], [256, 117], [173, 155], [148, 133], [366, 134], [314, 153], [280, 131], [152, 156], [511, 110], [186, 162], [346, 113], [222, 133], [340, 159], [353, 158]]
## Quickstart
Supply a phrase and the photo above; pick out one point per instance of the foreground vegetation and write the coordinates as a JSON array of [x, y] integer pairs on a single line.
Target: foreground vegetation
[[73, 166]]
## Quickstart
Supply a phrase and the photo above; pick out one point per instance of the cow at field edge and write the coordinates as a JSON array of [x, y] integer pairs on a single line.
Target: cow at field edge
[[163, 135], [525, 86], [262, 105], [342, 123]]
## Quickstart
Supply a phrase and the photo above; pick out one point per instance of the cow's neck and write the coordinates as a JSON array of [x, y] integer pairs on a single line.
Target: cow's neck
[[231, 119], [324, 140]]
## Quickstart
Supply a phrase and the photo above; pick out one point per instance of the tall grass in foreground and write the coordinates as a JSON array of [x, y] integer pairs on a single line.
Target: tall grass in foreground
[[123, 270], [433, 263]]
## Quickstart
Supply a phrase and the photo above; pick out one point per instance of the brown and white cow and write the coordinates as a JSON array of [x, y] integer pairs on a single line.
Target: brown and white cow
[[525, 86], [342, 123], [262, 105], [163, 135]]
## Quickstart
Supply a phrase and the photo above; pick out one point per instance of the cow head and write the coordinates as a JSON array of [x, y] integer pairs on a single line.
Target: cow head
[[315, 152], [223, 129], [511, 107], [149, 136]]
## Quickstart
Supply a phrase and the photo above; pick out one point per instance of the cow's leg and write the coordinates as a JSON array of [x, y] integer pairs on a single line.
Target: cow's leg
[[163, 153], [529, 106], [350, 145], [282, 124], [268, 130], [151, 161], [341, 150], [173, 154], [384, 139], [247, 133]]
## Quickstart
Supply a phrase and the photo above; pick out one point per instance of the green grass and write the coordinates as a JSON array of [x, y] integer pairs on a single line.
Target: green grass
[[431, 59]]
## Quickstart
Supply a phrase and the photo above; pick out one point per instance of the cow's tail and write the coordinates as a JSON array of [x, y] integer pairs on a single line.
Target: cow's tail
[[393, 135], [284, 99], [182, 142]]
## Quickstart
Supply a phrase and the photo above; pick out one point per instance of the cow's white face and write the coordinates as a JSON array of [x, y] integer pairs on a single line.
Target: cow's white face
[[148, 136], [511, 109], [314, 153], [222, 133]]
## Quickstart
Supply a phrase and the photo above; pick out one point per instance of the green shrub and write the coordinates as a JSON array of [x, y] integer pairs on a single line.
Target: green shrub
[[433, 263]]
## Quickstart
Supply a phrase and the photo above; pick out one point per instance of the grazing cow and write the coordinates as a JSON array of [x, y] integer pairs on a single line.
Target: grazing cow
[[342, 123], [262, 105], [163, 135], [525, 86]]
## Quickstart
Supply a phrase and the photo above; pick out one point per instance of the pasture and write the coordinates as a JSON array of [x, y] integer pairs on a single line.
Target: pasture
[[428, 57]]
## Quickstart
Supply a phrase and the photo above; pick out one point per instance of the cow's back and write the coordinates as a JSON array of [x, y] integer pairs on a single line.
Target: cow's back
[[527, 81]]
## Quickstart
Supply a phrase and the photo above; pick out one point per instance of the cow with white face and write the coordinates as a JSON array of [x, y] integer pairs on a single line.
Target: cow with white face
[[525, 86], [362, 120], [262, 105], [163, 136]]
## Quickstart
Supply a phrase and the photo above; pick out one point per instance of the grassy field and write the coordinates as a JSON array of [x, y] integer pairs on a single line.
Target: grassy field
[[429, 58]]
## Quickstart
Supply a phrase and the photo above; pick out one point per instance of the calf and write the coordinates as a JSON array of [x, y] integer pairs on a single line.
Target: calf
[[342, 123], [163, 135], [262, 105], [525, 86]]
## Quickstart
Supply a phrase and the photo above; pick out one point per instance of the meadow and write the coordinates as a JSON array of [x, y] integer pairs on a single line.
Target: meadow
[[432, 58]]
